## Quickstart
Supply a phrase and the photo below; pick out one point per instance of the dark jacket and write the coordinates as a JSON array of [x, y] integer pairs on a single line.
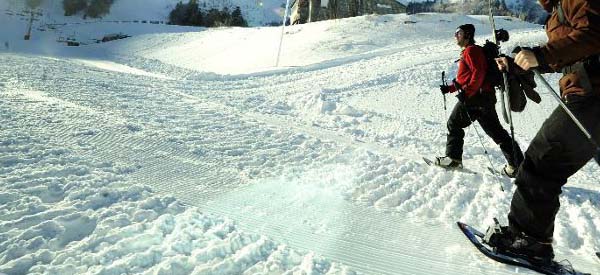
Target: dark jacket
[[472, 69], [575, 41]]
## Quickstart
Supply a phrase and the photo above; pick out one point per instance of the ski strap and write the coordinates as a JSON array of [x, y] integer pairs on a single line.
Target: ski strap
[[561, 14]]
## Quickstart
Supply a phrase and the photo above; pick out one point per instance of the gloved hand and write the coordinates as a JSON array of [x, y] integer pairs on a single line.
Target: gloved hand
[[461, 96], [444, 89]]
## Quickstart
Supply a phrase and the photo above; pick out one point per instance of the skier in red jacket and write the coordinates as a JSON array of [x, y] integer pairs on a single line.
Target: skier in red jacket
[[477, 101]]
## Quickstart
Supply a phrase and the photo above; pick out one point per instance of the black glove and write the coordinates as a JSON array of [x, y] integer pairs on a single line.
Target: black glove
[[444, 89], [461, 96]]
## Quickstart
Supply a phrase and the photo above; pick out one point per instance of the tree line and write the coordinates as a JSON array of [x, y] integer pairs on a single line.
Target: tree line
[[191, 14], [91, 8], [528, 11]]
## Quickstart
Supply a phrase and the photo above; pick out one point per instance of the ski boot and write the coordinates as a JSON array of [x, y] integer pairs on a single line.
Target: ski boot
[[510, 171], [505, 240], [447, 162]]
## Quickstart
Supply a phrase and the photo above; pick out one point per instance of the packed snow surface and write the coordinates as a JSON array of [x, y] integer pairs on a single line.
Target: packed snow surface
[[188, 151]]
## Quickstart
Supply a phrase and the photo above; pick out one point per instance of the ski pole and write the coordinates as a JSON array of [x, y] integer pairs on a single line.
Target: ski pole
[[444, 83], [478, 135], [481, 142], [504, 74], [492, 23], [571, 115], [507, 113], [444, 96], [503, 98]]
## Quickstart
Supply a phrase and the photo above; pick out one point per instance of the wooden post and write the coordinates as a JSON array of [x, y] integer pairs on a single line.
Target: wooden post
[[285, 14]]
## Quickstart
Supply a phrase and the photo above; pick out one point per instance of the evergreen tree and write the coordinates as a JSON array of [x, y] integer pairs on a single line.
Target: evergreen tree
[[503, 5], [188, 14], [98, 8], [427, 6], [32, 4], [191, 14], [212, 18], [529, 10], [196, 17], [74, 6], [177, 14], [237, 19], [192, 17], [225, 17]]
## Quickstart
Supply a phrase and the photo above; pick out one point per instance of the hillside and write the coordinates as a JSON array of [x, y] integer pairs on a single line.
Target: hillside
[[187, 151]]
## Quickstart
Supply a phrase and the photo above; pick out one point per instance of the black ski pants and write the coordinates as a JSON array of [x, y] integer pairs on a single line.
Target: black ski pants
[[558, 150], [488, 119]]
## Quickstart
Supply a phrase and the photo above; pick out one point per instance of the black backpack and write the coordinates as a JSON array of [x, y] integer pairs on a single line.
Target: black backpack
[[493, 75], [520, 85]]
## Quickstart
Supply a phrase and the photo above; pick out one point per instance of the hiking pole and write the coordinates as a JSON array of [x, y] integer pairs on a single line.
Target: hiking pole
[[509, 112], [478, 135], [504, 74], [444, 96], [444, 83], [482, 145], [512, 135], [499, 36], [504, 98], [571, 115]]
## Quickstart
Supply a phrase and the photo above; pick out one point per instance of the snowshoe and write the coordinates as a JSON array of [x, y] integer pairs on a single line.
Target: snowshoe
[[478, 239], [453, 166]]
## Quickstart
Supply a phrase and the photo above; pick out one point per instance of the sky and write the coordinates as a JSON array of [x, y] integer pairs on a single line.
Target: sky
[[185, 150]]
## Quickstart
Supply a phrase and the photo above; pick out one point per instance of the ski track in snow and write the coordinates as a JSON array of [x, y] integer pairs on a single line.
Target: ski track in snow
[[303, 156], [99, 149]]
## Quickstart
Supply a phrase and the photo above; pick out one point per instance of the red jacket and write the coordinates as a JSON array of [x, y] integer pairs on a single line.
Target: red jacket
[[472, 68]]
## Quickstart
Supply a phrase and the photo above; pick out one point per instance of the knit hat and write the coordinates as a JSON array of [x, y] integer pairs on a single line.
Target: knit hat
[[468, 29]]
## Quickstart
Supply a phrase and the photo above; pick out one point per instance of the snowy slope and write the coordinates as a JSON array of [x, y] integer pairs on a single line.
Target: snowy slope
[[186, 151]]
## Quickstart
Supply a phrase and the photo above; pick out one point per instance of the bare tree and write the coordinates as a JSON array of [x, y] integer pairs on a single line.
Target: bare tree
[[314, 6], [352, 7], [32, 4], [333, 7]]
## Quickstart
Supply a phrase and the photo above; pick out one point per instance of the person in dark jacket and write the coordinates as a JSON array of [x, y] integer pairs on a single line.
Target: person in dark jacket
[[559, 149], [476, 103]]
